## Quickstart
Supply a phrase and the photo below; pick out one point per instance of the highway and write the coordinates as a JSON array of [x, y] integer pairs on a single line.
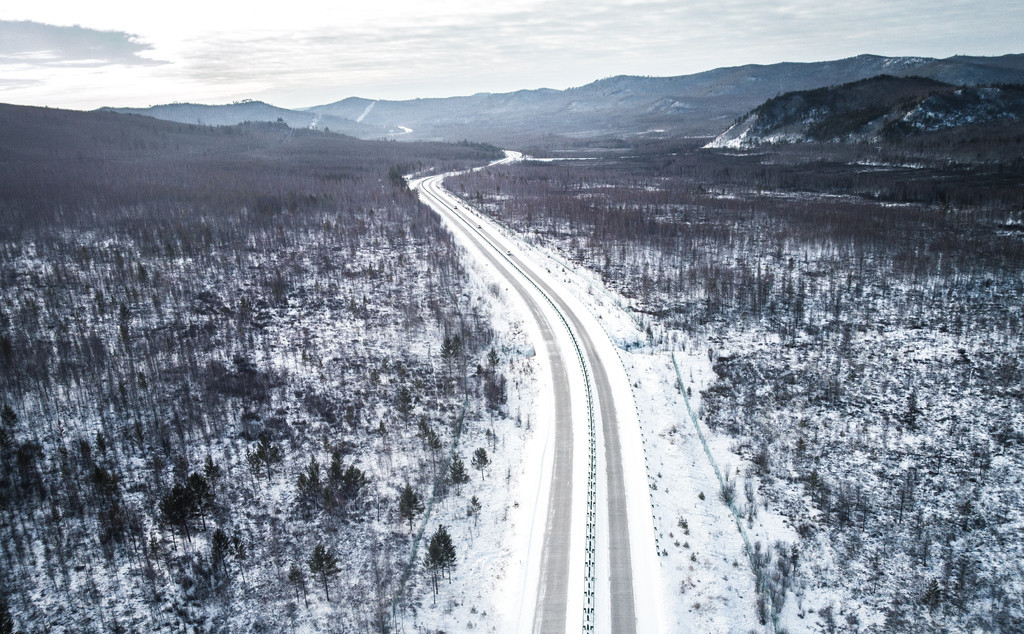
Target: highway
[[587, 507]]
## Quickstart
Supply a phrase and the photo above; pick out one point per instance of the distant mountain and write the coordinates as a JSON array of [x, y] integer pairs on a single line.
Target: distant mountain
[[243, 111], [879, 108], [703, 104]]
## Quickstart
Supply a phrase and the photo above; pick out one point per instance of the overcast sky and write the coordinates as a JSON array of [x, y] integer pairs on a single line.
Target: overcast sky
[[85, 55]]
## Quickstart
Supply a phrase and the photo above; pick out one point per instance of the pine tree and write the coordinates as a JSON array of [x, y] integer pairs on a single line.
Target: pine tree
[[404, 402], [458, 472], [932, 595], [335, 474], [212, 471], [267, 453], [202, 496], [323, 564], [239, 552], [9, 418], [298, 581], [106, 483], [480, 460], [352, 482], [176, 509], [220, 546], [913, 413], [310, 487], [495, 391], [474, 508], [447, 550], [450, 349], [432, 562], [409, 505], [440, 556], [6, 620]]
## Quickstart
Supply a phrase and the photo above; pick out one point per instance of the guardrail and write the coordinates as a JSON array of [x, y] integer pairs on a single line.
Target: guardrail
[[590, 559]]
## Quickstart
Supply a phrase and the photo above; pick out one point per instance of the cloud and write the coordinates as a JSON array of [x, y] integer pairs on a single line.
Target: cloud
[[26, 43], [7, 83]]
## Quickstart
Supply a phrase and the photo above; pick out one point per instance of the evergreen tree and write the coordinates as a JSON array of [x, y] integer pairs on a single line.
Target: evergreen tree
[[6, 620], [440, 555], [404, 402], [434, 562], [335, 474], [10, 419], [8, 416], [409, 505], [458, 472], [450, 349], [239, 552], [474, 508], [106, 483], [267, 453], [344, 484], [309, 485], [323, 564], [495, 392], [480, 460], [201, 494], [220, 546], [448, 556], [913, 413], [932, 595], [298, 581], [352, 482], [176, 509], [212, 471]]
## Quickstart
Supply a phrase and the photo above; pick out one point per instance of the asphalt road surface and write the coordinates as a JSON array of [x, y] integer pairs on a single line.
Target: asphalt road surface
[[550, 613]]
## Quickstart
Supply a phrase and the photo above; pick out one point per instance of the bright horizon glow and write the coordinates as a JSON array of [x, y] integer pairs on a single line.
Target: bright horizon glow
[[89, 55]]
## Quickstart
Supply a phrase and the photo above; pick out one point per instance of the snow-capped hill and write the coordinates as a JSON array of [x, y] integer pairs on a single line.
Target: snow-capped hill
[[693, 105], [965, 107], [879, 108], [690, 105], [736, 136]]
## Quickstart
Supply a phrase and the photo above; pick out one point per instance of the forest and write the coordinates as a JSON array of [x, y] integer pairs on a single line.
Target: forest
[[240, 365], [235, 364], [861, 307]]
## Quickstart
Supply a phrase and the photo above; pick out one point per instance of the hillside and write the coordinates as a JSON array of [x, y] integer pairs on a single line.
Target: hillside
[[862, 320], [221, 360], [702, 104], [246, 111], [882, 108]]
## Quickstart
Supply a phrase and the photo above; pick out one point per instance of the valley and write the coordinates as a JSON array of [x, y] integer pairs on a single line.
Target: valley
[[727, 352]]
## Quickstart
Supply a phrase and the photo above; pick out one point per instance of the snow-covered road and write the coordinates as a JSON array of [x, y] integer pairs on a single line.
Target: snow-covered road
[[594, 566]]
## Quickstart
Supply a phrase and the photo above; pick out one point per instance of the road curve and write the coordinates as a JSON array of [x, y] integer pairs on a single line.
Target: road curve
[[553, 308], [550, 613]]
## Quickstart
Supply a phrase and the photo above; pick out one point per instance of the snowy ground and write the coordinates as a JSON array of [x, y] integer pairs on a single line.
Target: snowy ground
[[485, 589], [706, 581], [493, 545], [707, 584]]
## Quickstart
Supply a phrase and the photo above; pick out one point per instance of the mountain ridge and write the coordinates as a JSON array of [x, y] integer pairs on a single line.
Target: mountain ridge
[[251, 111], [877, 109], [699, 104]]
